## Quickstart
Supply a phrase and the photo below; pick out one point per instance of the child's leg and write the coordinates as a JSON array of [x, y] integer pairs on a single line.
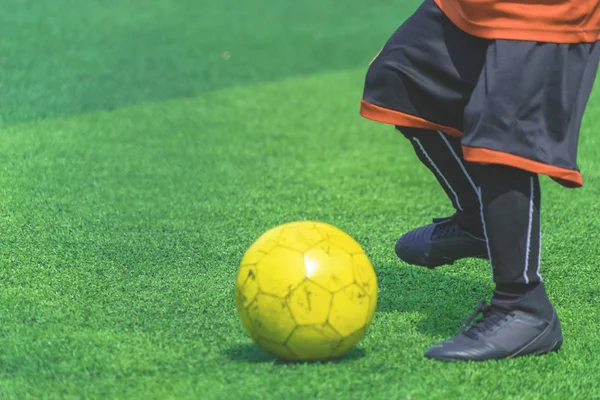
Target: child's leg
[[442, 155], [422, 81], [520, 317], [447, 239], [511, 200]]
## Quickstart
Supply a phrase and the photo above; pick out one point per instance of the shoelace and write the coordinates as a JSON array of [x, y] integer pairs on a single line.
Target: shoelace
[[492, 316]]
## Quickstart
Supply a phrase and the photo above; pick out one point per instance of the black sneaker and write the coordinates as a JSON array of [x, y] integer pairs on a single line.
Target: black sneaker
[[507, 329], [439, 243]]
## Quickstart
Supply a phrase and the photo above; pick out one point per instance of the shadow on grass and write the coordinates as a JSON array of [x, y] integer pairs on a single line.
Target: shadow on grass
[[444, 296], [250, 352]]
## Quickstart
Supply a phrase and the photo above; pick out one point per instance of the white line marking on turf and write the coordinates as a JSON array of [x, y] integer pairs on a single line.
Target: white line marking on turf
[[439, 173]]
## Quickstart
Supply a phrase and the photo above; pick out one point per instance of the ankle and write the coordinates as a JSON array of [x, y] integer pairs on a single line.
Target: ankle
[[513, 291], [530, 298], [470, 222]]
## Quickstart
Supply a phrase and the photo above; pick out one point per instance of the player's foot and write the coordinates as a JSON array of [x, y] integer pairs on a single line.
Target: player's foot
[[507, 329], [439, 243]]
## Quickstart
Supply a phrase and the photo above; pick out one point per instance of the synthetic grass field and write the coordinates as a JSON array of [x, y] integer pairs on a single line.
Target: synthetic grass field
[[145, 144]]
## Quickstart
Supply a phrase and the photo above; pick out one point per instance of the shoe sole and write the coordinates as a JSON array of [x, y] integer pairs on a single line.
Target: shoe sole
[[429, 261], [552, 349]]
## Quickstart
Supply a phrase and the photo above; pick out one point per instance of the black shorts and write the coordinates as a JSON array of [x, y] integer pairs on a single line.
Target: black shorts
[[514, 103]]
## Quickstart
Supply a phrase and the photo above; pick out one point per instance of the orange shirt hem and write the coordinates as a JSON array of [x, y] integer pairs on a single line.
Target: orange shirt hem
[[522, 29]]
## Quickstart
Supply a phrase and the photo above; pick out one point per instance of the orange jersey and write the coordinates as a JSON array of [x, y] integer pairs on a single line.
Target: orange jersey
[[557, 21]]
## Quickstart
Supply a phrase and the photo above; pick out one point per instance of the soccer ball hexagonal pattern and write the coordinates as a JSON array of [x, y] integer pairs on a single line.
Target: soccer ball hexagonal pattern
[[306, 291]]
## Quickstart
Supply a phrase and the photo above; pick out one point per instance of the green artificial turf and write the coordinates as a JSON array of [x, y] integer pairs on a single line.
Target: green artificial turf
[[122, 220], [62, 57]]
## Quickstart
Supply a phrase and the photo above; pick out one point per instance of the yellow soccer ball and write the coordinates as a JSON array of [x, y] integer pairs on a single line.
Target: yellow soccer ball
[[306, 291]]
